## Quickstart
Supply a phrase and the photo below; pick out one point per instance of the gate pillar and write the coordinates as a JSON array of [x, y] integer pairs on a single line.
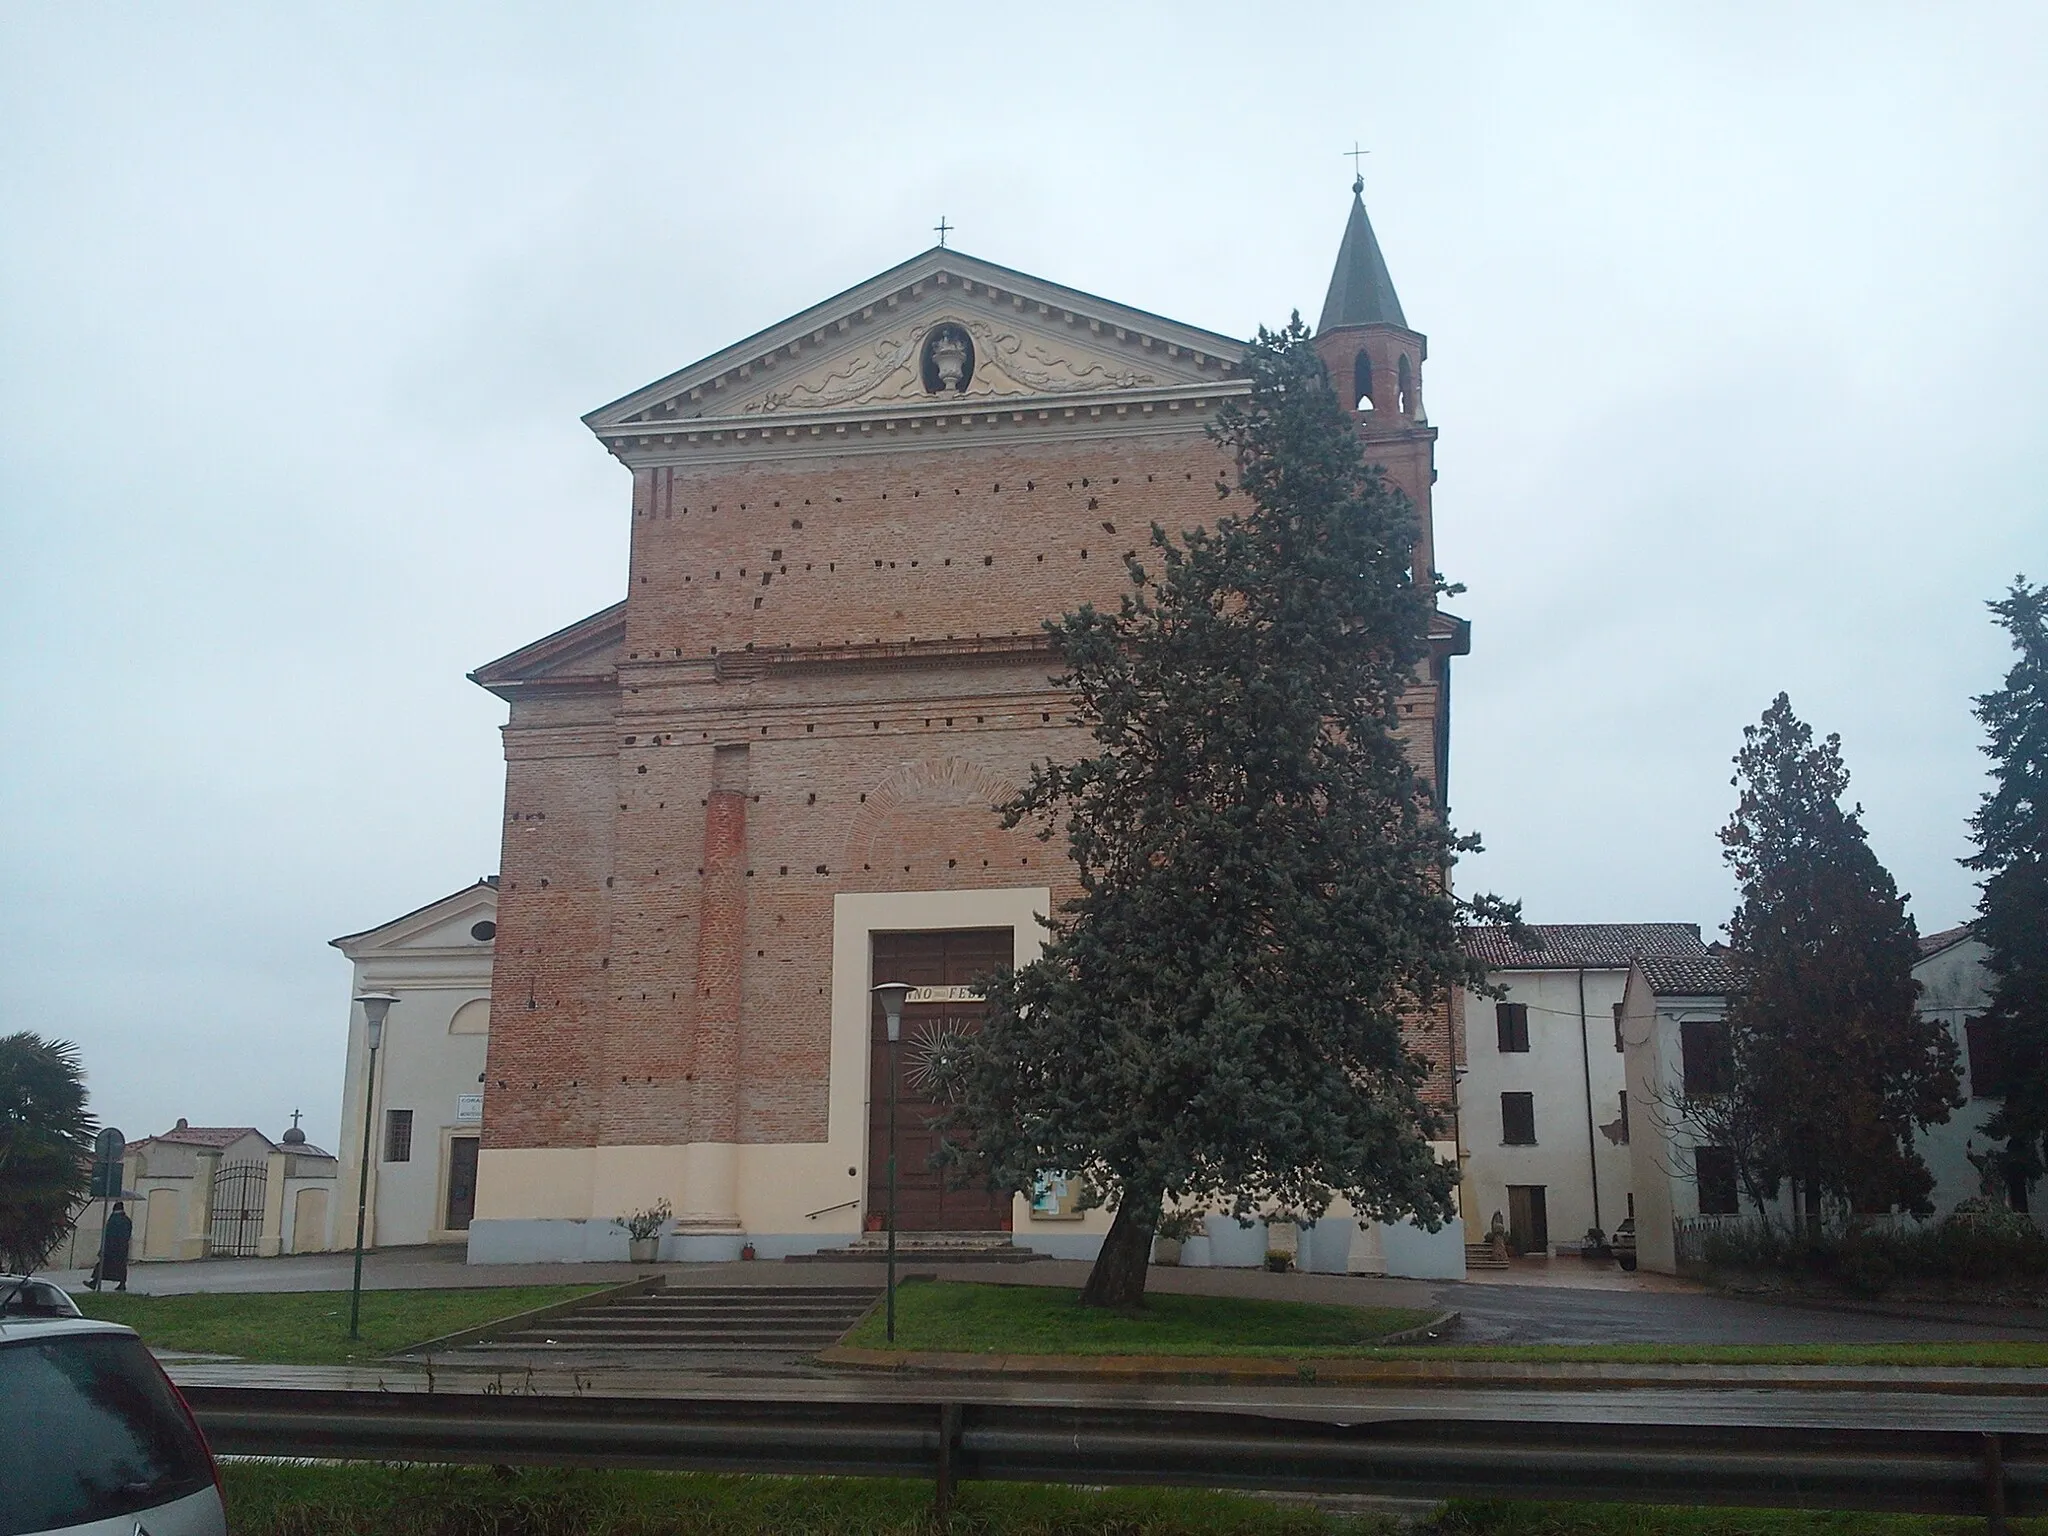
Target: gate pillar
[[197, 1241], [270, 1241]]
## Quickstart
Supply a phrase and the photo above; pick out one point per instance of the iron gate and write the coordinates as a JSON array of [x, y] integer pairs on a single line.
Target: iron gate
[[238, 1190]]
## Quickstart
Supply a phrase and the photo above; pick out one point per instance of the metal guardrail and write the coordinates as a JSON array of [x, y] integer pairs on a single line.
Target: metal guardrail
[[1913, 1472]]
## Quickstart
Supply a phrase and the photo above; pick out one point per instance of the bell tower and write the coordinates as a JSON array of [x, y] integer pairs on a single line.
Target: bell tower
[[1374, 359]]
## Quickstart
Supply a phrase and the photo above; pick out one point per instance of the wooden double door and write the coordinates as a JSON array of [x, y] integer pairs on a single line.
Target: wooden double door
[[947, 963]]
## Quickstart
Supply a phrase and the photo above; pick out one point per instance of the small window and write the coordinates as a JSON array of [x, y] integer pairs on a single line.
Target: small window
[[1624, 1117], [1708, 1065], [1518, 1119], [397, 1135], [1990, 1062], [1617, 1026], [1714, 1168], [1511, 1024]]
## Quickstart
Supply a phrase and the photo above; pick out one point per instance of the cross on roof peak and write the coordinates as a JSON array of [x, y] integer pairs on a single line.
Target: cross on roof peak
[[942, 229], [1357, 156]]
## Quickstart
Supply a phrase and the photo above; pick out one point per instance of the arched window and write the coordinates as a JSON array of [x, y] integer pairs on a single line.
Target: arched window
[[1403, 379], [1361, 381]]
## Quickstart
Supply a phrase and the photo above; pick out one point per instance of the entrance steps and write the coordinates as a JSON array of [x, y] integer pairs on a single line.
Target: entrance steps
[[1484, 1256], [704, 1318], [924, 1248]]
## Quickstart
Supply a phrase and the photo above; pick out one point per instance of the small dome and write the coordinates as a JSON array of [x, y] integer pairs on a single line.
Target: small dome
[[294, 1137]]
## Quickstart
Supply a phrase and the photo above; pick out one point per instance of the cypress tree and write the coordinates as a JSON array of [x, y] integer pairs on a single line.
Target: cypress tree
[[1217, 1018], [1833, 1066], [2011, 833]]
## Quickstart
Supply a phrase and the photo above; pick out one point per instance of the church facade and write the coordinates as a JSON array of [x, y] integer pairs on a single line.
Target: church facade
[[763, 780]]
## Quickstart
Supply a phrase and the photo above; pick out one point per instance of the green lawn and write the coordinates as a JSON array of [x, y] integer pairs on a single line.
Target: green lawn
[[311, 1327], [1047, 1320], [273, 1499]]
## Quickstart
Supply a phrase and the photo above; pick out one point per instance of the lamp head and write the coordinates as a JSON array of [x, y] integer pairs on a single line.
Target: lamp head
[[892, 994], [375, 1005]]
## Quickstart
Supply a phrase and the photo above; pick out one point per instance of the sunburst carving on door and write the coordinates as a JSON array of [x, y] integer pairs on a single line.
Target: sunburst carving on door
[[934, 1055]]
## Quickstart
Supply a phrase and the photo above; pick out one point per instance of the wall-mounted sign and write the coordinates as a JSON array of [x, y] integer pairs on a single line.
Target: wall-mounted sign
[[942, 995], [469, 1107], [1056, 1197]]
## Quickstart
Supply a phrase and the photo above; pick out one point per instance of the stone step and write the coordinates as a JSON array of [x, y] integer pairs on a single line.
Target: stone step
[[712, 1309], [808, 1323], [674, 1338]]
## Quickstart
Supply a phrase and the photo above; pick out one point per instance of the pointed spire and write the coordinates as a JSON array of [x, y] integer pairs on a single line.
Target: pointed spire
[[1361, 289]]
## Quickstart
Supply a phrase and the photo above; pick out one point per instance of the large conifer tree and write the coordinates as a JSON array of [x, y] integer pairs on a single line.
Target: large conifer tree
[[1217, 1018], [2011, 830], [1833, 1065]]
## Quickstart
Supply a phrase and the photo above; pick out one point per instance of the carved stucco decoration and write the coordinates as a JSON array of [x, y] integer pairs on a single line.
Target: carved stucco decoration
[[1007, 363]]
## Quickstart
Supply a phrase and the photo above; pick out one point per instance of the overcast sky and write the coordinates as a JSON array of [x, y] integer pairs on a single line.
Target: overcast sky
[[1738, 347]]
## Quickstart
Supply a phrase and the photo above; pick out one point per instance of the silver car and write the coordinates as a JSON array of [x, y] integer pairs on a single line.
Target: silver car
[[97, 1442]]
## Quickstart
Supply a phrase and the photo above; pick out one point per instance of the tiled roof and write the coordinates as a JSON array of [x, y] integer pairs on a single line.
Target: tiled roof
[[1706, 974], [1595, 946], [1935, 943], [207, 1135]]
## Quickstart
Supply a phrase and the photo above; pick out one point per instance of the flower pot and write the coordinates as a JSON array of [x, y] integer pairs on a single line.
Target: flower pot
[[641, 1250], [1166, 1250]]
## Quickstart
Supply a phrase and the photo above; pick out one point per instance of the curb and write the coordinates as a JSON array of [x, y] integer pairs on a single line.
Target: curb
[[1563, 1375]]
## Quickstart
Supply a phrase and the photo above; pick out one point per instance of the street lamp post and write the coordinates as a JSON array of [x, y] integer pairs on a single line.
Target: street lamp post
[[892, 994], [374, 1005]]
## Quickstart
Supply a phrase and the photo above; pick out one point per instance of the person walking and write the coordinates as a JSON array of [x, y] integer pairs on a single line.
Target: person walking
[[114, 1243]]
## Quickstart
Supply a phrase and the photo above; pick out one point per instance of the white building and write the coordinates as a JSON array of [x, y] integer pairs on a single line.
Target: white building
[[1673, 1023], [427, 1106], [1543, 1118], [1674, 1031], [1955, 988], [220, 1191]]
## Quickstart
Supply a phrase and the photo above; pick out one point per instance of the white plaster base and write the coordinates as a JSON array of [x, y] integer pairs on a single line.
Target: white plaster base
[[566, 1240], [1235, 1247], [1410, 1253]]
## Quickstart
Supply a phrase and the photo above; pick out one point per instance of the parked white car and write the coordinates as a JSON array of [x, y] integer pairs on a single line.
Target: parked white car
[[98, 1442]]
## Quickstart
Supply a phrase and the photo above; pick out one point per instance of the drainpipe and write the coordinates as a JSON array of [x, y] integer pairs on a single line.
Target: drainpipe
[[1586, 1063]]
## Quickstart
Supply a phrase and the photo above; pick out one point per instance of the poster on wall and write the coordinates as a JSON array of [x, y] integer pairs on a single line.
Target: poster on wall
[[1056, 1197]]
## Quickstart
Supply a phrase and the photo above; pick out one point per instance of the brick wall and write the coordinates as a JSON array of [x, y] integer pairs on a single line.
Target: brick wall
[[673, 842]]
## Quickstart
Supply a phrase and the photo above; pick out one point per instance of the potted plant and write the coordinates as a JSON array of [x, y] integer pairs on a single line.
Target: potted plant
[[643, 1230], [1174, 1229], [1279, 1260]]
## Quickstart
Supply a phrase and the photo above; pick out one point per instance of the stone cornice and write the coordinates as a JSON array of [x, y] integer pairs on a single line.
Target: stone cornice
[[900, 425]]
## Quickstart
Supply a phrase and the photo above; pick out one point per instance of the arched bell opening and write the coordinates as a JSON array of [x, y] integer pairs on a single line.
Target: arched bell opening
[[1361, 382], [1404, 387]]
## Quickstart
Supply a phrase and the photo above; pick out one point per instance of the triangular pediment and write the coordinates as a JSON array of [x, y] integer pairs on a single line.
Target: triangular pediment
[[438, 926], [585, 652], [944, 328]]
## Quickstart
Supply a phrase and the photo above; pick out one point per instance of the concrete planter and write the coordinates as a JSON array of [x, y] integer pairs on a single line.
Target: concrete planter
[[641, 1250], [1166, 1250], [1234, 1247]]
